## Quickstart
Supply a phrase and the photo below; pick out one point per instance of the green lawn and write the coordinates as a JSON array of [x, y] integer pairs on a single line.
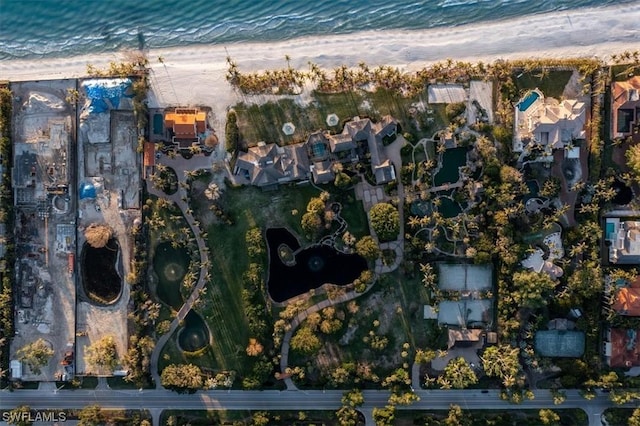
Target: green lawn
[[624, 72], [440, 120], [223, 309], [551, 83], [354, 214], [264, 122]]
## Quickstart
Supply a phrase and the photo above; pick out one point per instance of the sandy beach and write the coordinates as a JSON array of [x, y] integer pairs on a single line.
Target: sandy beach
[[196, 75]]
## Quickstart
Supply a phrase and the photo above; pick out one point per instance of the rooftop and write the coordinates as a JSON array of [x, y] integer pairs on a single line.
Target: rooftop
[[625, 102], [186, 123], [625, 351], [548, 122], [624, 240], [627, 301]]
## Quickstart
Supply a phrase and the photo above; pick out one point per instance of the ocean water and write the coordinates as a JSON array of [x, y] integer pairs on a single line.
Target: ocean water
[[60, 28]]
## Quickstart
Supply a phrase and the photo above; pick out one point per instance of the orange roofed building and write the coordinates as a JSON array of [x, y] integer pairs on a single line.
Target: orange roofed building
[[627, 301], [185, 125]]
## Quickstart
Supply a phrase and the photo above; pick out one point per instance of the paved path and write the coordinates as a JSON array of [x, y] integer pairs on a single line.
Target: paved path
[[415, 375], [160, 399], [180, 165]]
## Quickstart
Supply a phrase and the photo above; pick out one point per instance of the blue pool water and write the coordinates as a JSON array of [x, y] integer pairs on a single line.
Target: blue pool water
[[528, 101]]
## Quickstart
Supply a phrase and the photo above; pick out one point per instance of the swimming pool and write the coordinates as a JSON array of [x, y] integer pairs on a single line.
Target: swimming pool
[[531, 97]]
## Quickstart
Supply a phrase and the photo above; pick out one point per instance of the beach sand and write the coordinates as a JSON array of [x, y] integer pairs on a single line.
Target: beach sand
[[196, 75]]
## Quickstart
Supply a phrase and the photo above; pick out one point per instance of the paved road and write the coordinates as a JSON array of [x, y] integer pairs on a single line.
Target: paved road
[[286, 400]]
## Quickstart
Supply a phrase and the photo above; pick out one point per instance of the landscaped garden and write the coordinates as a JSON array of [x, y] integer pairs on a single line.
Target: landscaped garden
[[482, 218], [458, 416], [236, 267], [170, 265], [361, 342]]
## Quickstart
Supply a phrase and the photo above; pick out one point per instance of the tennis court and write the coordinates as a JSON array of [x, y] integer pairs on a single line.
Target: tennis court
[[560, 343], [464, 312], [464, 277]]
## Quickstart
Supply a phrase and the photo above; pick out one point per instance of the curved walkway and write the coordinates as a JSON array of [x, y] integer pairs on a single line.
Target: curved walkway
[[297, 320], [181, 165]]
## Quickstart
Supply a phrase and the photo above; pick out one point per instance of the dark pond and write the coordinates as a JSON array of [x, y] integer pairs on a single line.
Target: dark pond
[[194, 335], [624, 194], [170, 265], [313, 267], [100, 277], [452, 160], [449, 208]]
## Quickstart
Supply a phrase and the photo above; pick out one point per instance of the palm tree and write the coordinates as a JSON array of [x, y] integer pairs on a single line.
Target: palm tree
[[213, 192], [414, 222]]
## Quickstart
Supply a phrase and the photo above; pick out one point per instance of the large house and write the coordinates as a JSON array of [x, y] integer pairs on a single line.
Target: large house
[[268, 165], [362, 130], [547, 123], [623, 239], [186, 126], [625, 105]]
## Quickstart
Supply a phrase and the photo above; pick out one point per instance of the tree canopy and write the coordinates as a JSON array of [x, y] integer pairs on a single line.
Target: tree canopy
[[91, 415], [102, 354], [305, 341], [458, 374], [368, 248], [530, 288], [633, 159], [181, 377], [385, 221], [36, 354], [502, 361]]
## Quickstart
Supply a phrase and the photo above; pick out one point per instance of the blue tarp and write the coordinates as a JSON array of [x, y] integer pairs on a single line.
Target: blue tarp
[[87, 190], [105, 94]]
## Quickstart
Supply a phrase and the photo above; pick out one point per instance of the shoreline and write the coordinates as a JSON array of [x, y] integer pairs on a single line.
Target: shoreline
[[195, 75]]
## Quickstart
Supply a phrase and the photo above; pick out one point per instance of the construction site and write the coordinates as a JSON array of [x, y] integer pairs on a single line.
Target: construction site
[[75, 164], [45, 207], [109, 193]]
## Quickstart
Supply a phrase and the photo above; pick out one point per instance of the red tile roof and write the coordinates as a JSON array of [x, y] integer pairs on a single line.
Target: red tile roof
[[149, 157], [625, 348]]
